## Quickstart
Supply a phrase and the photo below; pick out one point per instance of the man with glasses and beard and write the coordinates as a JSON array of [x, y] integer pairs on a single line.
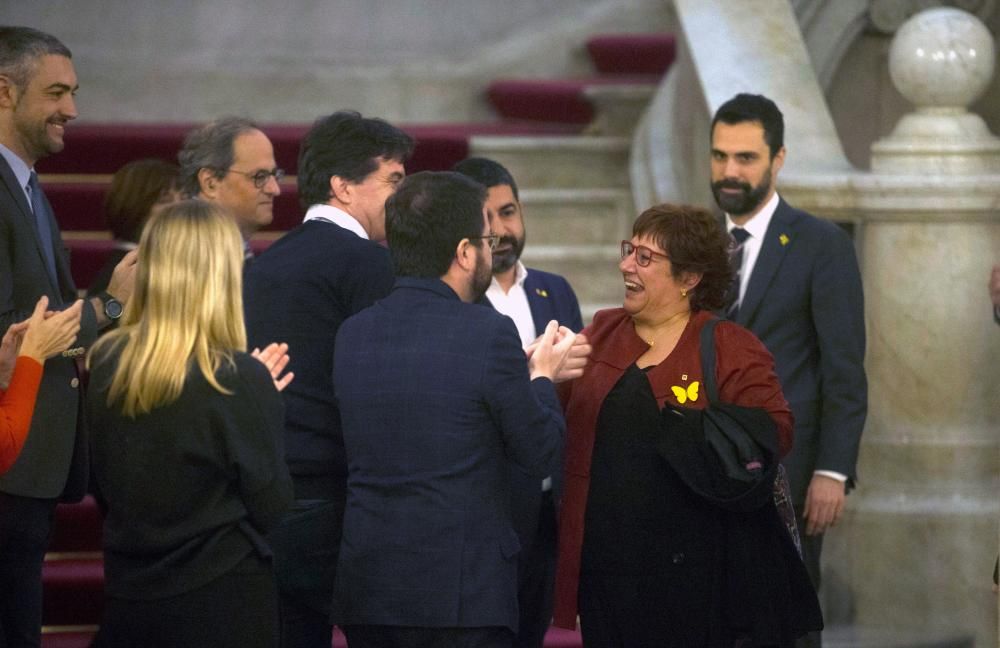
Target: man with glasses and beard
[[798, 288], [436, 397], [531, 298]]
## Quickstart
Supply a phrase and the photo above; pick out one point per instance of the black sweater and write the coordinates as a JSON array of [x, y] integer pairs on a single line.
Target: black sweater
[[190, 487]]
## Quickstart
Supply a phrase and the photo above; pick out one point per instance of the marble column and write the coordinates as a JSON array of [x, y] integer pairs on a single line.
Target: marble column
[[915, 552]]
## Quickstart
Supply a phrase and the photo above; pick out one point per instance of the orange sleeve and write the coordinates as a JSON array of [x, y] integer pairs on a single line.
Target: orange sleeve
[[17, 405], [747, 377]]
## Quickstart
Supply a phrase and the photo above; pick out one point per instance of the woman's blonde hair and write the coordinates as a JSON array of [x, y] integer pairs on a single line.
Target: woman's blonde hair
[[187, 306]]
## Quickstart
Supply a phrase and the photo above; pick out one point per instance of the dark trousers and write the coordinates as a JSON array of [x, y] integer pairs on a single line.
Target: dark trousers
[[306, 544], [536, 577], [25, 526], [812, 547], [236, 610], [376, 636]]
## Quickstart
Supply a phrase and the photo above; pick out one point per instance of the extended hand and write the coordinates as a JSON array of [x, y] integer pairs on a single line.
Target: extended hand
[[548, 354], [275, 358], [9, 347], [122, 280], [824, 504]]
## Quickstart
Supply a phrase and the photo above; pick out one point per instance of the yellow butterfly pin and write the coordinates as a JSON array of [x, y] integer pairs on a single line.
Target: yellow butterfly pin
[[541, 292], [784, 239], [684, 395]]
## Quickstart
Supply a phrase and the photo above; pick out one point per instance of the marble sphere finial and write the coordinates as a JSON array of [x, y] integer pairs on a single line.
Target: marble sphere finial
[[942, 58]]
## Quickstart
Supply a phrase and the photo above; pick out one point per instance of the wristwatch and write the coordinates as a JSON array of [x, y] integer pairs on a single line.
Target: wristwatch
[[113, 308]]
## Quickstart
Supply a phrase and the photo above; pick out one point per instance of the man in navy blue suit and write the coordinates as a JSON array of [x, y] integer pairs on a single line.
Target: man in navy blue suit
[[301, 290], [436, 396], [531, 298], [799, 290]]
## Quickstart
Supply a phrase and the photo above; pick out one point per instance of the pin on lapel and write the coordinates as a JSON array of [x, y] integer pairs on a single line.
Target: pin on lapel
[[541, 292], [784, 239]]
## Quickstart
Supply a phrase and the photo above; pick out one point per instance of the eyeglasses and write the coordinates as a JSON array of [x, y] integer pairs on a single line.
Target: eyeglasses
[[643, 255], [492, 239], [261, 177]]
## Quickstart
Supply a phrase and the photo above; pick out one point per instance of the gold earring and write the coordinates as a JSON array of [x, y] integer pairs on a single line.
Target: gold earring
[[684, 292]]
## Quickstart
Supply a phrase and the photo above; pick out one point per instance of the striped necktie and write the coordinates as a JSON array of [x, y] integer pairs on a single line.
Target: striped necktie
[[740, 236]]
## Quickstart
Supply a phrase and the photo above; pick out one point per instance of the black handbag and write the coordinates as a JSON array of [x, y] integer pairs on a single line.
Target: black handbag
[[727, 454]]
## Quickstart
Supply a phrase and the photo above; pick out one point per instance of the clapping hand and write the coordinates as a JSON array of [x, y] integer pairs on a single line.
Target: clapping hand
[[275, 358]]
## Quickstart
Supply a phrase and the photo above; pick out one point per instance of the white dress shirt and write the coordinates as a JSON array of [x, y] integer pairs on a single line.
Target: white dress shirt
[[514, 304], [337, 216]]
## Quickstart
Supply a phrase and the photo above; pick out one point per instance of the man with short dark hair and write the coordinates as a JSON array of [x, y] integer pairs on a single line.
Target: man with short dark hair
[[798, 288], [532, 298], [300, 290], [37, 88], [435, 399], [230, 161]]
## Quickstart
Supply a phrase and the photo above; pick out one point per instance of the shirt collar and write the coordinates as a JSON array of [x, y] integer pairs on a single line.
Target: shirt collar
[[520, 274], [757, 226], [21, 170], [336, 216]]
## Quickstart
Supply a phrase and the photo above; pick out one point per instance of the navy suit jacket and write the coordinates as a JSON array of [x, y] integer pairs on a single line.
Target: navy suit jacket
[[435, 398], [804, 301], [550, 297], [53, 462]]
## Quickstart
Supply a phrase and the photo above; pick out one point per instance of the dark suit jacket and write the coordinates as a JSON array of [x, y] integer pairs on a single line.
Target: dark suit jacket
[[550, 297], [805, 303], [53, 462], [435, 398], [299, 291]]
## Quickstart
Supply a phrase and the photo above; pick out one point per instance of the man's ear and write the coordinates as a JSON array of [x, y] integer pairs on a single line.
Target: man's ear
[[9, 93], [465, 254], [341, 190], [208, 183]]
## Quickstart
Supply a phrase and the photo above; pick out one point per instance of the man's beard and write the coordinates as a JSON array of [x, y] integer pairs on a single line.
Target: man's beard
[[502, 262], [482, 277], [749, 198]]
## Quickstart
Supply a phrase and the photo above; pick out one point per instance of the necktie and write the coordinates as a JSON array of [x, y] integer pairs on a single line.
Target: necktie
[[740, 236], [43, 218]]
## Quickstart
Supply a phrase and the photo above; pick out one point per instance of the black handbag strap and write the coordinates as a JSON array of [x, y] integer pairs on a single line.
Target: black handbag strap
[[708, 360]]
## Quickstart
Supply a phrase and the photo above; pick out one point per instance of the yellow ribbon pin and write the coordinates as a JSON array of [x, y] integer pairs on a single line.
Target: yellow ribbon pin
[[541, 292], [784, 239]]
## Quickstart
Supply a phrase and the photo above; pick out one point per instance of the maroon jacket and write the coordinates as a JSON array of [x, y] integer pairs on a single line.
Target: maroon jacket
[[745, 376]]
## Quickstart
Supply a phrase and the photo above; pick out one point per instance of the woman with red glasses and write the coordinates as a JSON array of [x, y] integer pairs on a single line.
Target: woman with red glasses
[[646, 559]]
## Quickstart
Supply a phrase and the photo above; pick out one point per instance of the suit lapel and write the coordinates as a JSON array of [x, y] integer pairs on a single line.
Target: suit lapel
[[772, 253], [538, 302], [28, 218]]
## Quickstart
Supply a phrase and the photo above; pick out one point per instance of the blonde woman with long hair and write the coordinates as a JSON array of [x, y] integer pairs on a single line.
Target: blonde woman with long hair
[[186, 446]]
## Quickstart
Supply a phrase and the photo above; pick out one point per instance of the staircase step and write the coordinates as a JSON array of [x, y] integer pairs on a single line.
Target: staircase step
[[77, 527], [868, 637], [74, 591], [577, 216], [618, 107], [78, 203], [592, 270], [68, 636], [553, 100], [632, 53], [560, 162]]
